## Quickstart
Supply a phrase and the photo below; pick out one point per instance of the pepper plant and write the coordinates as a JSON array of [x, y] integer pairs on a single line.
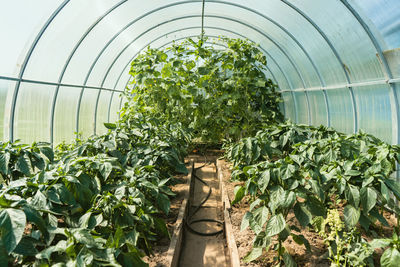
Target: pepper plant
[[97, 202], [306, 169]]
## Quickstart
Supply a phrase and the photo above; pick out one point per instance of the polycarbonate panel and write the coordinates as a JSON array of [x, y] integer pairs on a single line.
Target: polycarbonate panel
[[65, 114], [298, 56], [155, 17], [385, 16], [123, 60], [20, 22], [5, 87], [63, 33], [374, 111], [32, 115], [289, 106], [86, 115], [167, 39], [276, 35], [102, 111], [122, 65], [318, 110], [313, 43], [212, 21], [302, 107], [279, 56], [114, 109], [92, 45], [341, 110], [347, 36]]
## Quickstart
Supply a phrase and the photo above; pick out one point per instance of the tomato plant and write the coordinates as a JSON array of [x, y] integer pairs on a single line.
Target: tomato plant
[[214, 93]]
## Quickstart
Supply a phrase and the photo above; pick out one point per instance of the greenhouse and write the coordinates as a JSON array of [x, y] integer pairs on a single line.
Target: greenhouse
[[200, 133]]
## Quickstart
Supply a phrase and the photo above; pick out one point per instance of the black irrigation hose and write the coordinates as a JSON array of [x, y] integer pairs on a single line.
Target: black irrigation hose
[[189, 221]]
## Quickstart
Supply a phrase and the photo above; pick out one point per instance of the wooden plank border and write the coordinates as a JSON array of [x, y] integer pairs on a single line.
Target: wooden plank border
[[230, 238], [176, 240]]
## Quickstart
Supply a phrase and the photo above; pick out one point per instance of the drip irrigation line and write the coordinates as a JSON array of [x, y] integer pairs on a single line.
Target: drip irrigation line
[[189, 221]]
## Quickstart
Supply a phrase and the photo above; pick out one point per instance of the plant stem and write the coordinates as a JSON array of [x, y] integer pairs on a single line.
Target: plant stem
[[279, 250]]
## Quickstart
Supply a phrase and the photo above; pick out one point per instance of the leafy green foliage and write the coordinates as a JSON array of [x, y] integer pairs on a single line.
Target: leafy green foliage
[[96, 202], [99, 201], [213, 93], [306, 169], [345, 247], [391, 256], [19, 160]]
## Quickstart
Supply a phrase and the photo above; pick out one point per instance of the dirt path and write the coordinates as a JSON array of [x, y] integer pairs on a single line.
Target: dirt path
[[198, 250]]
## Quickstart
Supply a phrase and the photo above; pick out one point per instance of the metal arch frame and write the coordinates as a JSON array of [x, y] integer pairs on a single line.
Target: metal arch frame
[[179, 18], [66, 64], [178, 30], [120, 103], [364, 25], [245, 24], [25, 63], [322, 81], [112, 39], [393, 94], [45, 27], [233, 32], [207, 27], [188, 28], [156, 39], [335, 52]]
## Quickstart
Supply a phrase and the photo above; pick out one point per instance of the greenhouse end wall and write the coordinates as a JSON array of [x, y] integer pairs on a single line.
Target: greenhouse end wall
[[65, 63]]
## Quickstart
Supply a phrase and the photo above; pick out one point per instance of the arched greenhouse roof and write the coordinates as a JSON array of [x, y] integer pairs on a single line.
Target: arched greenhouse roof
[[64, 63]]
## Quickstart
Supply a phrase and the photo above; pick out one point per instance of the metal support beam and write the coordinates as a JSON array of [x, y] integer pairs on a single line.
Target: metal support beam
[[77, 45], [230, 19], [178, 30], [265, 51], [111, 40], [25, 63], [54, 84], [393, 93], [321, 80], [335, 52]]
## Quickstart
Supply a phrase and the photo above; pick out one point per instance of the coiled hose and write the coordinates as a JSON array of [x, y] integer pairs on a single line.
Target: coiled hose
[[189, 221]]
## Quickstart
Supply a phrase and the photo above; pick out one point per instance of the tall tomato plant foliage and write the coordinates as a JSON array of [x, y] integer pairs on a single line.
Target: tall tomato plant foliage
[[215, 93]]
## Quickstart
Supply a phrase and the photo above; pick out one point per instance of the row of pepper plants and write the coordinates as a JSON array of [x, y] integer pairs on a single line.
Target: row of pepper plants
[[322, 176], [96, 202]]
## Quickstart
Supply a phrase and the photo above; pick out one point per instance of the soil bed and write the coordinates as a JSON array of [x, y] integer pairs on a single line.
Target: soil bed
[[160, 249], [318, 254]]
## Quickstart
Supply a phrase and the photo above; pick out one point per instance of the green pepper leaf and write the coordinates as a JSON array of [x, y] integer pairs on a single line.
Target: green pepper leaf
[[275, 225], [351, 215], [368, 199], [390, 258], [12, 225]]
